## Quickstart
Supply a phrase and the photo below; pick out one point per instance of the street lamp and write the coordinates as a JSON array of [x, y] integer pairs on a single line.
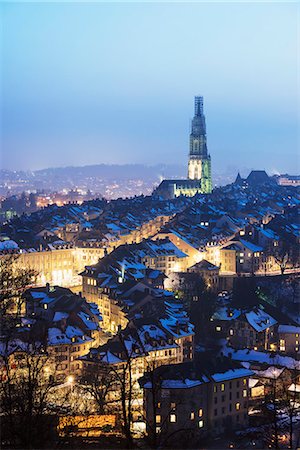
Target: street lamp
[[70, 379], [70, 383]]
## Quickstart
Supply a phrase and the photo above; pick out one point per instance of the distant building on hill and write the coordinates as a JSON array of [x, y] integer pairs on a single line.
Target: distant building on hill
[[255, 178], [288, 180]]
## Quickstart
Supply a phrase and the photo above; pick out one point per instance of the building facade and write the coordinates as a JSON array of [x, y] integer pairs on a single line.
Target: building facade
[[193, 398]]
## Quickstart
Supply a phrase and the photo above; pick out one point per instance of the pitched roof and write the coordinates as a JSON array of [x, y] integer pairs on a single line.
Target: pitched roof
[[204, 265]]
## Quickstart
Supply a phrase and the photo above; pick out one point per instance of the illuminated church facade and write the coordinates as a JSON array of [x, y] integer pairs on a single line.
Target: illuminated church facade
[[199, 165]]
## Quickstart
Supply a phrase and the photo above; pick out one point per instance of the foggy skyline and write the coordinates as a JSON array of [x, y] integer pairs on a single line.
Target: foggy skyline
[[115, 83]]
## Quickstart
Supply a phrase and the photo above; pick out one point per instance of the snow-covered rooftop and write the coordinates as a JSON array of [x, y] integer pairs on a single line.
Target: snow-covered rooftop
[[60, 316], [260, 320], [271, 372], [8, 244], [232, 374], [226, 313], [176, 384], [288, 329]]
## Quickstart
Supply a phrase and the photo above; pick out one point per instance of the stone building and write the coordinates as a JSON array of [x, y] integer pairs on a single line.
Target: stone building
[[199, 166], [196, 399]]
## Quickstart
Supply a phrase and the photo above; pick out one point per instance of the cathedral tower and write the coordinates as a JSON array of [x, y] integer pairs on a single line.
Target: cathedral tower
[[199, 166]]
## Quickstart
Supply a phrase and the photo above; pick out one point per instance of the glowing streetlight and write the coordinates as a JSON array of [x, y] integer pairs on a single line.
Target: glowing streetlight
[[70, 379]]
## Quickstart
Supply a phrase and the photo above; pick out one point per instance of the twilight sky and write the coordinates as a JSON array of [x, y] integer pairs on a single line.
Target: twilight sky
[[88, 83]]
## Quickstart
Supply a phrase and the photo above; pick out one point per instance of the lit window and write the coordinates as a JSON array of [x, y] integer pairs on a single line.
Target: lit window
[[192, 416], [282, 345], [218, 328], [241, 261], [173, 418], [201, 424], [245, 381], [231, 332], [158, 418], [244, 392], [200, 412], [237, 406], [222, 387], [241, 254], [215, 388], [249, 255], [242, 233], [157, 429], [45, 306], [158, 405]]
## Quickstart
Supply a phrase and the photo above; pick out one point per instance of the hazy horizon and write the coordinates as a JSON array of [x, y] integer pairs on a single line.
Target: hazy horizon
[[95, 83], [229, 169]]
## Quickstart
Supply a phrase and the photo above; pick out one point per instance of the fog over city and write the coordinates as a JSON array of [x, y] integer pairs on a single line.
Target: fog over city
[[112, 83]]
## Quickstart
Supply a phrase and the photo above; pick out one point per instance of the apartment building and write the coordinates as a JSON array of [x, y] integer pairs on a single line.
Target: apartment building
[[254, 329], [240, 257], [196, 399], [288, 339]]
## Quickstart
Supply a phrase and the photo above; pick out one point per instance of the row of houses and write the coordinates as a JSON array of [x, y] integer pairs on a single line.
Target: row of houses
[[255, 328], [61, 324], [240, 229]]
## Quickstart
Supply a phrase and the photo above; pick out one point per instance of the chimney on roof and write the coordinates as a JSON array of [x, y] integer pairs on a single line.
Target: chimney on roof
[[48, 287]]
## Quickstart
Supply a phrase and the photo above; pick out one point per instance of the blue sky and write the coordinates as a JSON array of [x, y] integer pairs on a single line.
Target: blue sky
[[88, 83]]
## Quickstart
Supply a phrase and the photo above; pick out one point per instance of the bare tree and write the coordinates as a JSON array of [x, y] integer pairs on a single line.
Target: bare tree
[[125, 385], [13, 282], [286, 253], [99, 383], [27, 371], [291, 405], [26, 393]]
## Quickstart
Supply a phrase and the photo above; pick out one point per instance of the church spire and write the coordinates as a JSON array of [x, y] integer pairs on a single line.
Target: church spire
[[198, 132], [198, 106], [199, 167]]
